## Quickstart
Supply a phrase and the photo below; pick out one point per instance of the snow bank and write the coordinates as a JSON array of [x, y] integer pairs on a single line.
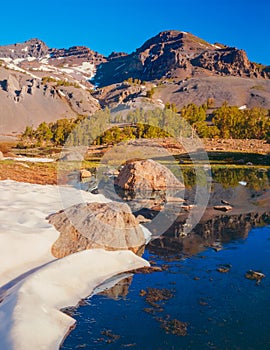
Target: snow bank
[[34, 284], [30, 316], [26, 236], [86, 67]]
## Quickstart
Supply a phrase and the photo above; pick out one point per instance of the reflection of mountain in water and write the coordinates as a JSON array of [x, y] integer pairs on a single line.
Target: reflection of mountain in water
[[212, 232]]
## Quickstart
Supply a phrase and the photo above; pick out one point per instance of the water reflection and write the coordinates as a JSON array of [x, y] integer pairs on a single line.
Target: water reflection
[[119, 290], [211, 233]]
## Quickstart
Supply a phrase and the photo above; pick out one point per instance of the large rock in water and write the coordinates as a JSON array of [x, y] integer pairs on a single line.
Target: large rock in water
[[111, 226], [146, 174]]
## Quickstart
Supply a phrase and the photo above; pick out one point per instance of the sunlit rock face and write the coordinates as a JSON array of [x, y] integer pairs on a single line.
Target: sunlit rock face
[[111, 226], [146, 175]]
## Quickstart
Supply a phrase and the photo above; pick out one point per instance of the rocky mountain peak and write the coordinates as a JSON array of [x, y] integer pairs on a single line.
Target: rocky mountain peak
[[30, 48], [163, 37], [176, 40], [34, 41], [178, 54]]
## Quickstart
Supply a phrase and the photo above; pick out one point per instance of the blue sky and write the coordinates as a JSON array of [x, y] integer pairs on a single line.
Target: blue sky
[[124, 25]]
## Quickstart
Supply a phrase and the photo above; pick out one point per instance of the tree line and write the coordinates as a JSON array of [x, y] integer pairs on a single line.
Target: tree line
[[104, 127]]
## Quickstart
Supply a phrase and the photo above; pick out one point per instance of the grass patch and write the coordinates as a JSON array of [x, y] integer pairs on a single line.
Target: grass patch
[[258, 87]]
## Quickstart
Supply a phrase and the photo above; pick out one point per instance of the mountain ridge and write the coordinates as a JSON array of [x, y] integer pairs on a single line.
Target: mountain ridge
[[40, 83], [176, 54]]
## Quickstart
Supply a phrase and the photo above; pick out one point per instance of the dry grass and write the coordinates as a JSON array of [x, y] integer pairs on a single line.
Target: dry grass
[[26, 172], [46, 173], [6, 146]]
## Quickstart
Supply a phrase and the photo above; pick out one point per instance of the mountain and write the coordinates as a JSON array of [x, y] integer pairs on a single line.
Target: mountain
[[38, 83], [174, 54], [42, 84]]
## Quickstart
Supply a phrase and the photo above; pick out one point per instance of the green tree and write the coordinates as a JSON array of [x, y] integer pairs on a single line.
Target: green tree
[[171, 106], [193, 113], [150, 93], [43, 133]]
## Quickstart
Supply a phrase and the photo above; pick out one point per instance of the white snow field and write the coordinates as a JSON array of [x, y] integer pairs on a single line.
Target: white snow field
[[29, 313]]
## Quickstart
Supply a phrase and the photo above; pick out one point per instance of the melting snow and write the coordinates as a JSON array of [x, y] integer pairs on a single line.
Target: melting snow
[[242, 107], [86, 67], [30, 59], [67, 70], [44, 68], [14, 67], [30, 317], [18, 60], [44, 59], [11, 64], [6, 59], [23, 210], [216, 46], [61, 93], [29, 313]]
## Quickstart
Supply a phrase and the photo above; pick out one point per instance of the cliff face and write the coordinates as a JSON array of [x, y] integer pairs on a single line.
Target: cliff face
[[77, 53], [178, 54], [36, 48], [228, 61]]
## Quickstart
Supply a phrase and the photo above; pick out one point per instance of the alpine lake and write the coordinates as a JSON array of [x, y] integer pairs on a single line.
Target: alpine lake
[[208, 290]]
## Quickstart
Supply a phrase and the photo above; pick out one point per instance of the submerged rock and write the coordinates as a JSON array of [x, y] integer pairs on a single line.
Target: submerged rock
[[154, 296], [254, 275], [223, 207], [224, 268], [174, 326], [147, 175], [111, 226], [225, 202]]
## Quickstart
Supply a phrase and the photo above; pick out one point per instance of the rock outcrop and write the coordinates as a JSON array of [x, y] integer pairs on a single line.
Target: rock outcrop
[[30, 48], [77, 53], [146, 175], [11, 84], [12, 87], [110, 226], [227, 61]]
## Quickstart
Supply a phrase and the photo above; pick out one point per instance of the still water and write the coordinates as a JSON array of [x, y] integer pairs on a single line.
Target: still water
[[220, 310]]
